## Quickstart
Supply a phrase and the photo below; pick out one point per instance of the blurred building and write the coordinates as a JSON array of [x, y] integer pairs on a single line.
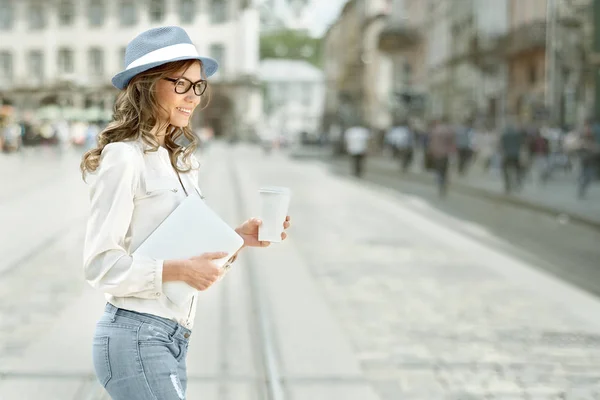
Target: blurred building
[[358, 75], [470, 59], [403, 40], [278, 15], [449, 60], [293, 98], [544, 51], [522, 57], [65, 52], [485, 54]]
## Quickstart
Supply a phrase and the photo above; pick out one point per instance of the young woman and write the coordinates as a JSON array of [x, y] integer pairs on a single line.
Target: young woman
[[138, 175]]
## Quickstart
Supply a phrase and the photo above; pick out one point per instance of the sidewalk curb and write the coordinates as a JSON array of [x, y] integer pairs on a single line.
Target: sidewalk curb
[[553, 211], [420, 177]]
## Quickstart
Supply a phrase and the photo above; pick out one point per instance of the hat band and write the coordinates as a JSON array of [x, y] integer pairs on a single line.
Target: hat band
[[166, 54]]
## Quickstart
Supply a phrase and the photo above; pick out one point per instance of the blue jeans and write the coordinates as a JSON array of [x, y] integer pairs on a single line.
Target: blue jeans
[[140, 356]]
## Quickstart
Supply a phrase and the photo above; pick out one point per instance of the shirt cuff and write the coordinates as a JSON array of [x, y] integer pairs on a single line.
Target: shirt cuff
[[151, 272]]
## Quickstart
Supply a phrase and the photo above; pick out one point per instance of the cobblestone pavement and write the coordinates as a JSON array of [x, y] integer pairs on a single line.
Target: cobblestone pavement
[[432, 313], [40, 272], [428, 318], [552, 242]]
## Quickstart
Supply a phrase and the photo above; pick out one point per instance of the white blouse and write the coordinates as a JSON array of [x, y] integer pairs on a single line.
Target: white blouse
[[131, 193]]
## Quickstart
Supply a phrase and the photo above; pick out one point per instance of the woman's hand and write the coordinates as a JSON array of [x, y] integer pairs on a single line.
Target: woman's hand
[[201, 271], [249, 232]]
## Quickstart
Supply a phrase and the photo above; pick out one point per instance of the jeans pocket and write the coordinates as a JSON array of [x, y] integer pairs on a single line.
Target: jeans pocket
[[100, 359], [151, 335]]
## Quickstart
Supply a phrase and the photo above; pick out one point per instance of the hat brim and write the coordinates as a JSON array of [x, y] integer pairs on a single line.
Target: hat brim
[[121, 79]]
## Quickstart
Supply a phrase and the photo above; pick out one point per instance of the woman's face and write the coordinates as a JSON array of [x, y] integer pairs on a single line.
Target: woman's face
[[177, 108]]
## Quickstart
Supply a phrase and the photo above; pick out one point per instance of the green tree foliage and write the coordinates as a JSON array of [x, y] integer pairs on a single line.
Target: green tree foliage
[[291, 44]]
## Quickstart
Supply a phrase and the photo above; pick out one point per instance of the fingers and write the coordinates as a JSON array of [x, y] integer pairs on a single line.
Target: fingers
[[214, 255], [264, 243], [205, 283], [283, 235]]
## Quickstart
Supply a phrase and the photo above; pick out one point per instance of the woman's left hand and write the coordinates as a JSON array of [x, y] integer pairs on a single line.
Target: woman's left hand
[[249, 232]]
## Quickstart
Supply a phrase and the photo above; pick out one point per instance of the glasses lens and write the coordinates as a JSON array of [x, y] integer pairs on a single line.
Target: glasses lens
[[182, 86], [200, 87]]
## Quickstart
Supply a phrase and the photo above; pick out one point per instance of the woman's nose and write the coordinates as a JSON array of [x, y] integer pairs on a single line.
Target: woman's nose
[[192, 98]]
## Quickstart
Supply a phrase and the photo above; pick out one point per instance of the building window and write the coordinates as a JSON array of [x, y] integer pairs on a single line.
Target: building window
[[407, 73], [121, 58], [6, 65], [96, 61], [66, 13], [36, 17], [217, 51], [187, 11], [532, 74], [307, 89], [36, 65], [398, 74], [128, 13], [218, 11], [6, 15], [96, 12], [65, 61], [157, 10]]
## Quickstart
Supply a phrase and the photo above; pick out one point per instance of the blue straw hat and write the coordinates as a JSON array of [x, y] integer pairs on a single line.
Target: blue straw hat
[[159, 46]]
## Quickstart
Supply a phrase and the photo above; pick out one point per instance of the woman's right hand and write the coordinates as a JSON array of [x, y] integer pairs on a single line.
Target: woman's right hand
[[201, 272]]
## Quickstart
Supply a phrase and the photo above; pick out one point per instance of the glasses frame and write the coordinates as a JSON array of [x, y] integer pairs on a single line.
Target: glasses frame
[[192, 85]]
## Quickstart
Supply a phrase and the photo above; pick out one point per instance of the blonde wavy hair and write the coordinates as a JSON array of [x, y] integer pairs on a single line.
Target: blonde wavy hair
[[135, 117]]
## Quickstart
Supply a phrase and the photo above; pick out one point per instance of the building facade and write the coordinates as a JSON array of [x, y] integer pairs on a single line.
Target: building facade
[[294, 93], [402, 39], [545, 50], [65, 52], [276, 15], [484, 59], [358, 74]]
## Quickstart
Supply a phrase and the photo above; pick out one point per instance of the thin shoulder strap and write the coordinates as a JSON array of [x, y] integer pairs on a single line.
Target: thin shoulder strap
[[183, 186]]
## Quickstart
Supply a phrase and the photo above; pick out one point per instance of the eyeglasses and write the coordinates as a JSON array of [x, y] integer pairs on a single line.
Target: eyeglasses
[[183, 85]]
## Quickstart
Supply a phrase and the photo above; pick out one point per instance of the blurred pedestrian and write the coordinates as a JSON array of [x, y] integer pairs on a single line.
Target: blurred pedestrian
[[62, 131], [539, 150], [357, 140], [141, 340], [441, 145], [402, 140], [589, 156], [511, 142], [11, 134], [77, 133], [485, 145], [464, 145], [91, 134]]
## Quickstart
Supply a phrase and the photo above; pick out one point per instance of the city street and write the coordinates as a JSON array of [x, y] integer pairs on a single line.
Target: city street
[[380, 292]]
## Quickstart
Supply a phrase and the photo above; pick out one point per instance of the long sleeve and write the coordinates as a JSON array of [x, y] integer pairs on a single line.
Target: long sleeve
[[107, 265]]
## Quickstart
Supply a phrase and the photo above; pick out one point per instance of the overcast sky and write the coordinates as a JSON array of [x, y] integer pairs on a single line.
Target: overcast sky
[[325, 12]]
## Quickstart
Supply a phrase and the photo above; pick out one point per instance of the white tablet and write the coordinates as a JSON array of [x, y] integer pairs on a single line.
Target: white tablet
[[190, 230]]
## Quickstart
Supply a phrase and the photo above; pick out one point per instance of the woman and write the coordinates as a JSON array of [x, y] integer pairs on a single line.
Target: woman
[[139, 174]]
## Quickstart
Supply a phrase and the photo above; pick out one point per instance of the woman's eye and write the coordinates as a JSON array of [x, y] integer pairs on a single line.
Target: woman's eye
[[180, 83]]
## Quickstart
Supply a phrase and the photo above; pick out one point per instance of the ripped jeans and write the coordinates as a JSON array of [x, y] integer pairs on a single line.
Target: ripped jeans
[[140, 356]]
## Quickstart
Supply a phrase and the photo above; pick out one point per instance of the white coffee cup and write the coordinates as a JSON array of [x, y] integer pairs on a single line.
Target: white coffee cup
[[274, 202]]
